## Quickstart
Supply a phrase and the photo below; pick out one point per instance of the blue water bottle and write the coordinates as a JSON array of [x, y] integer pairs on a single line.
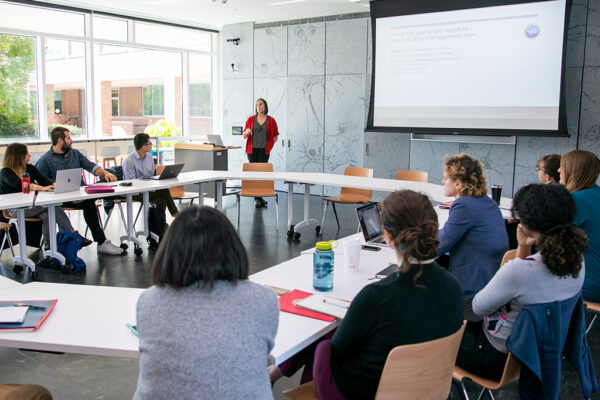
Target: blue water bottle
[[323, 267]]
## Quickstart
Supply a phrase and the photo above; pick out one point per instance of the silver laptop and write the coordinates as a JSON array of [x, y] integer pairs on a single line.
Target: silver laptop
[[170, 171], [68, 180], [215, 139], [370, 224]]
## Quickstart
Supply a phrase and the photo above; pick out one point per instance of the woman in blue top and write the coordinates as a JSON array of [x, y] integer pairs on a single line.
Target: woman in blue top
[[579, 172], [475, 234]]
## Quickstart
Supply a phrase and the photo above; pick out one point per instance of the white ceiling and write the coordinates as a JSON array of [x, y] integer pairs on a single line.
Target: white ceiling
[[214, 13]]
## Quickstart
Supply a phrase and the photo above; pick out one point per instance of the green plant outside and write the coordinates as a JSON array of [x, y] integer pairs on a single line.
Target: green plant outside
[[73, 129], [163, 128], [17, 104]]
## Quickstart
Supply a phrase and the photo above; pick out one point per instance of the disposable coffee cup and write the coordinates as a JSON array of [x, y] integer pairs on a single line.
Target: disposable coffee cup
[[352, 255], [497, 193]]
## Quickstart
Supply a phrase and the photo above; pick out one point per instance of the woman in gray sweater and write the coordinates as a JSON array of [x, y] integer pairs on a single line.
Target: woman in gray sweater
[[205, 330]]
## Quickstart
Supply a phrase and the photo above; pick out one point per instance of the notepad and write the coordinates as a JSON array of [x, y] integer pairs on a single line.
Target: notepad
[[325, 305], [34, 317], [13, 315]]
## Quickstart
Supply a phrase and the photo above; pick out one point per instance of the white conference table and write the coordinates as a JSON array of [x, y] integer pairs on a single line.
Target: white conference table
[[22, 201], [91, 319]]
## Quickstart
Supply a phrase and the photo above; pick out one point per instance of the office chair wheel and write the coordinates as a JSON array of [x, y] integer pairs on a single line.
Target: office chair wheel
[[17, 269], [124, 246], [297, 236], [318, 229], [137, 250]]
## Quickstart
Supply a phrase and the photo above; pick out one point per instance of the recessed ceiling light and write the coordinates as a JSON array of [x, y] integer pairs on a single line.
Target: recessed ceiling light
[[280, 3]]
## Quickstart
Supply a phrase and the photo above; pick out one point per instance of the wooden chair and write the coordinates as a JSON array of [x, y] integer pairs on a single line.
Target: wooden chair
[[348, 195], [415, 176], [5, 226], [12, 220], [109, 154], [252, 188], [178, 192], [512, 370], [414, 371]]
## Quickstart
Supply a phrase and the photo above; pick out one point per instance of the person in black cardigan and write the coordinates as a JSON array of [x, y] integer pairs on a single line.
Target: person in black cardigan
[[421, 302], [15, 164]]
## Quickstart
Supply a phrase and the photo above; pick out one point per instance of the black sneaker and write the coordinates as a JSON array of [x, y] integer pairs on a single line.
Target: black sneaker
[[84, 241]]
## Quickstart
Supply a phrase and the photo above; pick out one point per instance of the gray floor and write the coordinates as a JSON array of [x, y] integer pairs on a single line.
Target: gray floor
[[71, 376]]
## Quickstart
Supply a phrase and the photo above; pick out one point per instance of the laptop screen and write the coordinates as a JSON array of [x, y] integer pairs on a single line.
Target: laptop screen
[[370, 222]]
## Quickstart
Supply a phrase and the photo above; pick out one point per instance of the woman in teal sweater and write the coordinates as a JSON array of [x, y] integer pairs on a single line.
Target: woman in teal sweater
[[579, 170]]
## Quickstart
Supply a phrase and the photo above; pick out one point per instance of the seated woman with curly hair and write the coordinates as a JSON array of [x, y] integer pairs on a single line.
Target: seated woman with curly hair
[[475, 234], [554, 273]]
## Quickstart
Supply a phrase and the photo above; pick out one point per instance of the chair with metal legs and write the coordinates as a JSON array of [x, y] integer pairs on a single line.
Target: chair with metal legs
[[252, 188], [347, 195]]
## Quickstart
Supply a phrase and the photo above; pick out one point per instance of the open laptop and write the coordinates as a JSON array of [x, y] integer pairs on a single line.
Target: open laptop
[[170, 171], [215, 140], [370, 224], [68, 180]]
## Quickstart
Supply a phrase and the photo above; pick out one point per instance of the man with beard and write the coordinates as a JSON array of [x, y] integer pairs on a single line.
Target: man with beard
[[62, 156]]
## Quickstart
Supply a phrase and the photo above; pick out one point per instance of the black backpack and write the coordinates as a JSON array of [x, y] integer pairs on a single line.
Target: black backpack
[[157, 225]]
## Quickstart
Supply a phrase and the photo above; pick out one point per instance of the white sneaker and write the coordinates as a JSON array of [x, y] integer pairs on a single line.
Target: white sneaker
[[108, 248]]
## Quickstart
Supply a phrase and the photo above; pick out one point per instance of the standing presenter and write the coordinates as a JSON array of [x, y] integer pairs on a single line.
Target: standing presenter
[[261, 134]]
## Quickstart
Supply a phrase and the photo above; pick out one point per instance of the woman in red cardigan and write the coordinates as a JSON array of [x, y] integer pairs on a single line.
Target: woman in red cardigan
[[261, 134]]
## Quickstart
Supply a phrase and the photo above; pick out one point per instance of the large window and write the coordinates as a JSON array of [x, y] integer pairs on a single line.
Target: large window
[[153, 100], [146, 86], [65, 82], [200, 94], [18, 92], [101, 75]]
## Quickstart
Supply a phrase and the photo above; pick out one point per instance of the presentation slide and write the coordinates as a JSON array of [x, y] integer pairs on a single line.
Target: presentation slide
[[484, 68]]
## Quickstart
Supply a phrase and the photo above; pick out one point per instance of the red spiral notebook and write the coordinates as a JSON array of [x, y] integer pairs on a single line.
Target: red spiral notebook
[[287, 303]]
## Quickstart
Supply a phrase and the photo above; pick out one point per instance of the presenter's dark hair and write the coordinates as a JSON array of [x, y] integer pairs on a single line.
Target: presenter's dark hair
[[200, 247], [264, 102], [550, 211], [58, 133], [140, 140], [411, 220], [551, 164]]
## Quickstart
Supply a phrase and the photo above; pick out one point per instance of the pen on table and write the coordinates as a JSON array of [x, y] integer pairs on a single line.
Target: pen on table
[[32, 306], [338, 303], [132, 328]]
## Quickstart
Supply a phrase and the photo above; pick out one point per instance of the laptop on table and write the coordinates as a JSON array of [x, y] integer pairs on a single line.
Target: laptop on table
[[215, 140], [370, 224], [170, 171], [68, 180]]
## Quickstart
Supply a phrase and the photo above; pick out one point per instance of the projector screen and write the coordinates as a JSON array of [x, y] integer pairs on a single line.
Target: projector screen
[[495, 70]]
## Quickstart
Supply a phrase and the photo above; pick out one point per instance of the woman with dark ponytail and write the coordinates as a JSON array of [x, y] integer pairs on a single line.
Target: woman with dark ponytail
[[419, 303], [554, 273]]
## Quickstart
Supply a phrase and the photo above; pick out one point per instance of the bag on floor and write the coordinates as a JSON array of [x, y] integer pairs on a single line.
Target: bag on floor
[[68, 244], [157, 224]]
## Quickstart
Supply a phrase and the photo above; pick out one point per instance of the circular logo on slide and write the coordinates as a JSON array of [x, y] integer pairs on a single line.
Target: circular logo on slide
[[532, 31]]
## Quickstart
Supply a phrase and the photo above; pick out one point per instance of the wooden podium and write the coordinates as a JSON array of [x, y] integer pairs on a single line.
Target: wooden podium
[[198, 156]]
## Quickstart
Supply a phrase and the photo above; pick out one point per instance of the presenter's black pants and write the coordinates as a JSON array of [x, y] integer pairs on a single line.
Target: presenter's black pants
[[258, 155]]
